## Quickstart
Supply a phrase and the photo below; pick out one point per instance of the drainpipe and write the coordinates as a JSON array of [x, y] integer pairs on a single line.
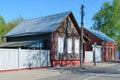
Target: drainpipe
[[65, 40]]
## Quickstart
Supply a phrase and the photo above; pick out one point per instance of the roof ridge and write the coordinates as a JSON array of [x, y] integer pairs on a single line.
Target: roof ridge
[[49, 15]]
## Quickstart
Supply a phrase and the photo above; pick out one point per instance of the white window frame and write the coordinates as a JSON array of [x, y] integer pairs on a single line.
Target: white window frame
[[60, 44], [77, 43], [69, 45]]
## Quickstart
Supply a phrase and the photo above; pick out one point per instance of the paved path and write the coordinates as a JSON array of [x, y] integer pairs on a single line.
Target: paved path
[[103, 71], [28, 74], [101, 64]]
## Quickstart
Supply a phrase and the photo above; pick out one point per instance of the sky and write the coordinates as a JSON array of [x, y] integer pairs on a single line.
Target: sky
[[28, 9]]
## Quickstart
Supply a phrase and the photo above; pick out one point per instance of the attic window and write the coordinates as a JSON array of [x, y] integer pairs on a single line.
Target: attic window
[[68, 25]]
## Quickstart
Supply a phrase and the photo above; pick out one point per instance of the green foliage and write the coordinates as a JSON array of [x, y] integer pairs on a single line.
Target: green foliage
[[2, 21], [6, 27], [2, 27], [107, 19]]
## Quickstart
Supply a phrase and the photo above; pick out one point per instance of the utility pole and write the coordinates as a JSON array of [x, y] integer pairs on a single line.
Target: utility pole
[[94, 54], [81, 36]]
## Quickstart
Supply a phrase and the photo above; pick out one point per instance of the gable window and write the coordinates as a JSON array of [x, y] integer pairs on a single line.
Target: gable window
[[69, 27]]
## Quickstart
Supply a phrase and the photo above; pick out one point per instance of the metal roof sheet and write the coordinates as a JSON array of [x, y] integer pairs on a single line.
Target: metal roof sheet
[[46, 24], [101, 35]]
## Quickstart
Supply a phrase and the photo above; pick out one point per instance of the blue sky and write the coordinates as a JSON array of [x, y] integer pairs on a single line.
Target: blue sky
[[11, 9]]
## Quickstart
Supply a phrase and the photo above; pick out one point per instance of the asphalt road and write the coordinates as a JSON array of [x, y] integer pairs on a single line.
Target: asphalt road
[[105, 71], [94, 73]]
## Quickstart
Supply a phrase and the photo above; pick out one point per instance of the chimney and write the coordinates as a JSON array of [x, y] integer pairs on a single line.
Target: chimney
[[99, 30], [91, 28]]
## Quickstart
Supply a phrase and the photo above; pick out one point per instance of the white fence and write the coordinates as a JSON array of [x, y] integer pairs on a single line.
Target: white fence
[[22, 58]]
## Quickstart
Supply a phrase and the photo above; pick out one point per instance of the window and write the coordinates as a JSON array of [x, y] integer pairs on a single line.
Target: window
[[69, 45], [60, 44], [38, 44], [77, 46]]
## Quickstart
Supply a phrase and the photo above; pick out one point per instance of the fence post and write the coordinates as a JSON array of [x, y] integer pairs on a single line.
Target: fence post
[[19, 49], [48, 58]]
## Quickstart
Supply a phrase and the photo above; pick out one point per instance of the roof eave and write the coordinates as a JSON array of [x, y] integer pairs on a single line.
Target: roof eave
[[19, 35]]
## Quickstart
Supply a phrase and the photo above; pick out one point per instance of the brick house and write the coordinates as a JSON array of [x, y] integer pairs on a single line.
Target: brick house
[[107, 44], [58, 33]]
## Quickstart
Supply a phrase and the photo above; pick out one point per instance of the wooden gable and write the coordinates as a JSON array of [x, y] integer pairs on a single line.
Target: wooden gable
[[71, 28], [72, 36]]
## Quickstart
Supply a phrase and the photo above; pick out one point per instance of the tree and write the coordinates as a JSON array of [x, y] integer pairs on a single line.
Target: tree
[[2, 27], [6, 27], [107, 20], [14, 23], [2, 21]]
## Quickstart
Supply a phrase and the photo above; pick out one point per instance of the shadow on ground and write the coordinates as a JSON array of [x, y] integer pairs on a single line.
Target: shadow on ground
[[87, 69]]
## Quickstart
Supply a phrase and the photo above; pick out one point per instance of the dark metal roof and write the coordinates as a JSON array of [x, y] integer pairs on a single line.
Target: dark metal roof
[[101, 35], [17, 44], [40, 25]]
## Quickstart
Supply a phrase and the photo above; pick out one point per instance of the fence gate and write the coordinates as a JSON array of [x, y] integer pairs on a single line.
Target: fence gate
[[88, 56], [98, 53]]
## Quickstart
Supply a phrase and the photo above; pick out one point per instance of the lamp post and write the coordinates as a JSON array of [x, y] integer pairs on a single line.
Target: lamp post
[[94, 54]]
